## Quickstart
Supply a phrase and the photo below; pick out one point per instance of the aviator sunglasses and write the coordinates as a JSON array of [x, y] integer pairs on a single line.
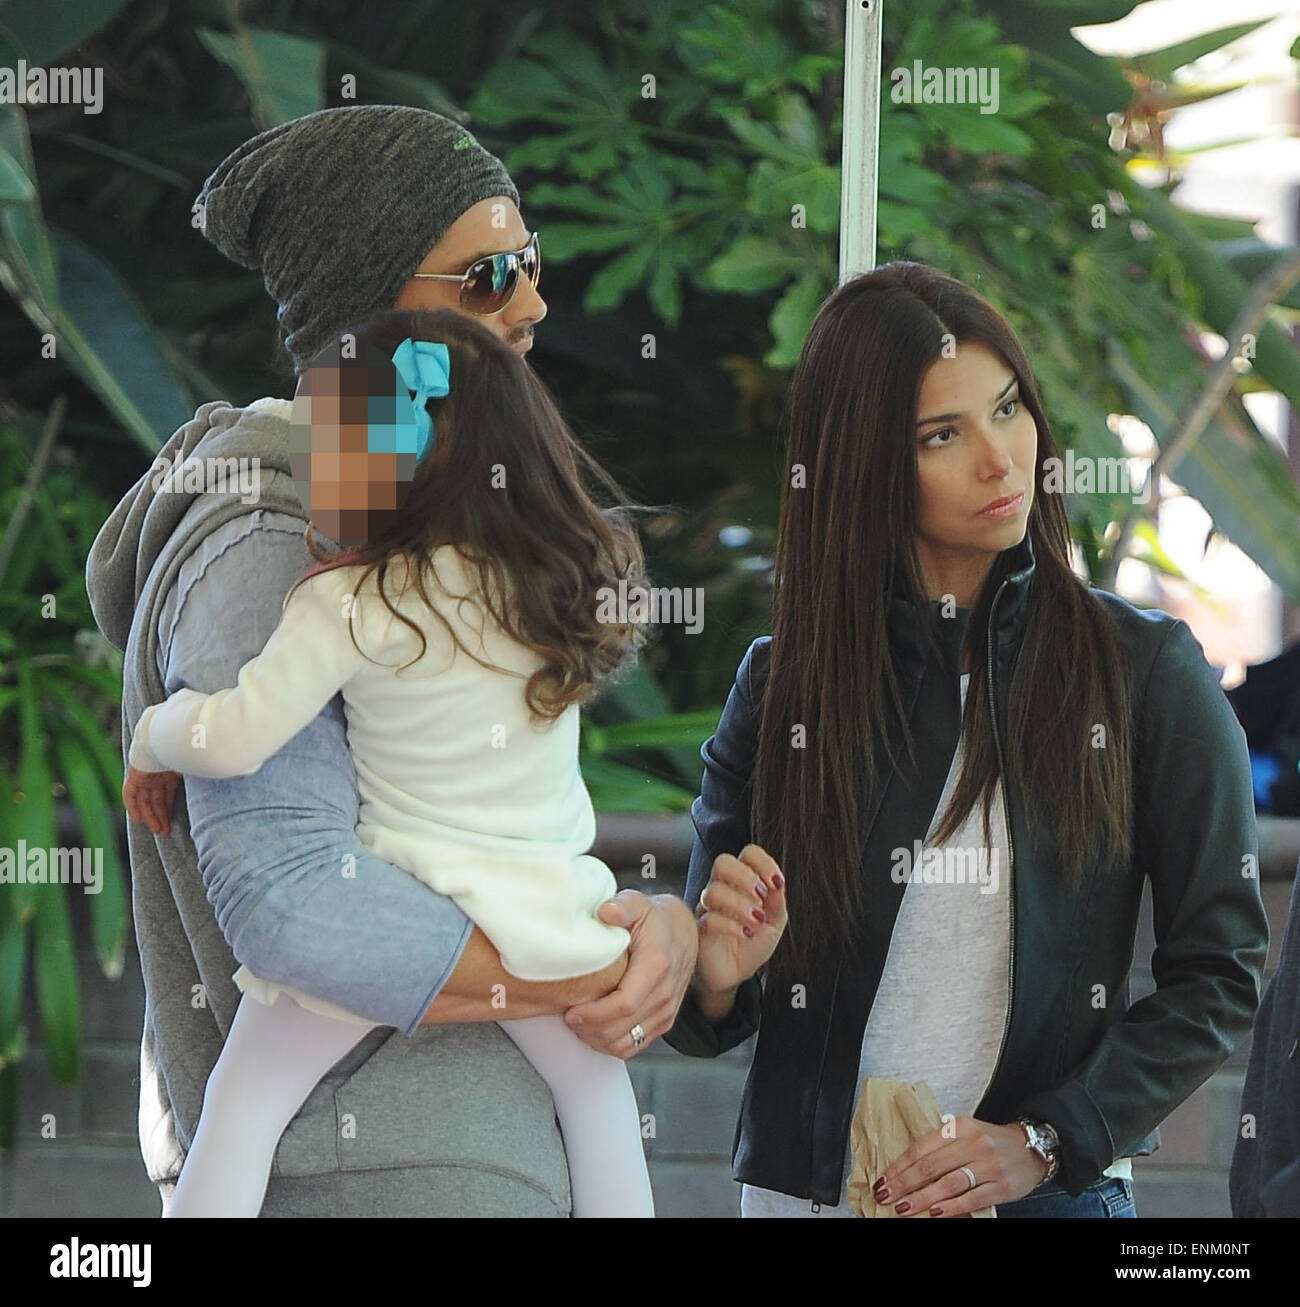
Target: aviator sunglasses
[[490, 282]]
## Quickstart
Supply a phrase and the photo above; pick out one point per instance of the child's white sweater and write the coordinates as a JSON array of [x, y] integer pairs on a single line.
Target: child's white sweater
[[458, 785]]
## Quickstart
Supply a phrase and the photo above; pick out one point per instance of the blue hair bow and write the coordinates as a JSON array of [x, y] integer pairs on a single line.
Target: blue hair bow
[[423, 366]]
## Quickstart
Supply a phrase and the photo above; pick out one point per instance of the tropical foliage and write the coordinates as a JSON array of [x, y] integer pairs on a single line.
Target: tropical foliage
[[681, 161]]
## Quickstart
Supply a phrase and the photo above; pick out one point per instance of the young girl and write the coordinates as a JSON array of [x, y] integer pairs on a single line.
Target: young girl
[[462, 632]]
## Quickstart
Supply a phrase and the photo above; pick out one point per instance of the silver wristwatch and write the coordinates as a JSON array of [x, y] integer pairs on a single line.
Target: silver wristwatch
[[1040, 1138]]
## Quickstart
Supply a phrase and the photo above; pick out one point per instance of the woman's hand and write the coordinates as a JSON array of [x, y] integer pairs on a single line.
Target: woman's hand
[[741, 917], [149, 797], [928, 1175]]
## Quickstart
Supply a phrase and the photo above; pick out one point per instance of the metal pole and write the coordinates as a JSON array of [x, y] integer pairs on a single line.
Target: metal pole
[[860, 151]]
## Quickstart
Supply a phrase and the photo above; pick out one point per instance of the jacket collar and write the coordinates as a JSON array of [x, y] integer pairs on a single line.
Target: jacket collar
[[1017, 566], [1013, 573]]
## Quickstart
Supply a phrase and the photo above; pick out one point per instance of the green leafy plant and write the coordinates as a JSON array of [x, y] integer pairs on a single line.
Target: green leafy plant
[[1105, 279], [636, 754], [59, 693]]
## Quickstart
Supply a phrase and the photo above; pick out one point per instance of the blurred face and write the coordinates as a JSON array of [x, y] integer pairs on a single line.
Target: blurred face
[[492, 226], [976, 449], [350, 494]]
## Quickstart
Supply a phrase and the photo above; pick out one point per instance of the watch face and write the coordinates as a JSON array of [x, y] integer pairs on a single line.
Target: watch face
[[1051, 1140]]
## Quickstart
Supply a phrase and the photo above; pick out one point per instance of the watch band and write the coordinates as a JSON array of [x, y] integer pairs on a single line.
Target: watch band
[[1040, 1138]]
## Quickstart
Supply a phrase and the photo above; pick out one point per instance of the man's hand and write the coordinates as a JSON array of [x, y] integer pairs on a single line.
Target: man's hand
[[149, 797], [661, 962]]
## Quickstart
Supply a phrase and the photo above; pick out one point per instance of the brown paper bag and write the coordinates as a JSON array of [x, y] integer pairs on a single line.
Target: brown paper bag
[[891, 1114]]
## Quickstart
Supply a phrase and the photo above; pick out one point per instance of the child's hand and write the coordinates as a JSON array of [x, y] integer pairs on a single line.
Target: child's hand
[[741, 917], [149, 797]]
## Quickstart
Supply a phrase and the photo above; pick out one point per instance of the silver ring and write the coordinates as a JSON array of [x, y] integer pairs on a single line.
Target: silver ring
[[970, 1175], [638, 1035]]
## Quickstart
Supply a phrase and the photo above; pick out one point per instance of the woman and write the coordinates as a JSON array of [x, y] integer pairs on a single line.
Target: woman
[[937, 673]]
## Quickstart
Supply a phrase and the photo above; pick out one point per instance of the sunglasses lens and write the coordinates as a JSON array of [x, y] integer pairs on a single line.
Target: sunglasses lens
[[491, 284], [492, 281]]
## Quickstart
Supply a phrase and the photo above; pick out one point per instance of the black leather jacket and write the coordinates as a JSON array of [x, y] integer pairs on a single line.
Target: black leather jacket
[[1103, 1073]]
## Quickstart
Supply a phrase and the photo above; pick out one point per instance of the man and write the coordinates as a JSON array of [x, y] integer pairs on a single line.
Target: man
[[343, 211]]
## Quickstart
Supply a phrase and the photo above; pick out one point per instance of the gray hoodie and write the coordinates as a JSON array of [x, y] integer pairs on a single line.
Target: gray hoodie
[[400, 1126]]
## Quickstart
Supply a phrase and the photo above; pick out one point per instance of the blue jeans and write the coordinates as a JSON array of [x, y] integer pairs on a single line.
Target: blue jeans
[[1109, 1197]]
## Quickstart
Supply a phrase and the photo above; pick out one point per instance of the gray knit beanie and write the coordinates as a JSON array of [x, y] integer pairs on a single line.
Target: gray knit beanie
[[338, 208]]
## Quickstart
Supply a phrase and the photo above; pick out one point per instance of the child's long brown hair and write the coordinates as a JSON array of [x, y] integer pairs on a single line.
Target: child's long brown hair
[[503, 483]]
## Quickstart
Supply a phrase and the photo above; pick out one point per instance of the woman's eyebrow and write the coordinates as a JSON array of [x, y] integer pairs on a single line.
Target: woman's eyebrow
[[952, 417]]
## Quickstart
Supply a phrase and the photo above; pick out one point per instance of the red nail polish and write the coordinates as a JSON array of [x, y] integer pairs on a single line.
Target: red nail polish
[[936, 1211], [749, 933], [882, 1196], [778, 881], [761, 890], [759, 914], [903, 1207]]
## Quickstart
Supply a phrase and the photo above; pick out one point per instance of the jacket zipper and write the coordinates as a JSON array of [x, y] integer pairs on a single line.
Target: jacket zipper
[[821, 1074], [1011, 848]]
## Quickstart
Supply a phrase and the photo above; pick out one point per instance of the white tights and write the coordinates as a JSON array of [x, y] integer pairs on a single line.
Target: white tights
[[275, 1055]]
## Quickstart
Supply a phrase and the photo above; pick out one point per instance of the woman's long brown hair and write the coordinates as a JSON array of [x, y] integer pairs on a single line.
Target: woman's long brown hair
[[847, 546], [504, 483]]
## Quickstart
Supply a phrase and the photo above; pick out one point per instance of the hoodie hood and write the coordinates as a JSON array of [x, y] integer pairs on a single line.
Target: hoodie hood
[[223, 462]]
